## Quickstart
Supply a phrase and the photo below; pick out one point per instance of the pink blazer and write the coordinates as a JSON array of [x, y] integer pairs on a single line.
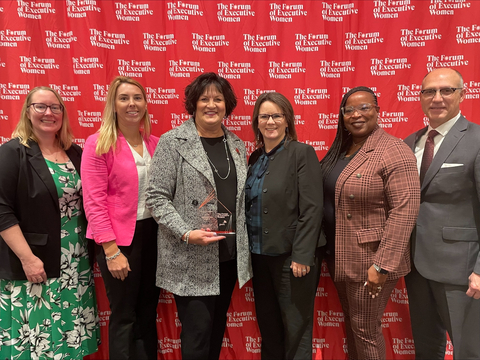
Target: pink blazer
[[110, 190]]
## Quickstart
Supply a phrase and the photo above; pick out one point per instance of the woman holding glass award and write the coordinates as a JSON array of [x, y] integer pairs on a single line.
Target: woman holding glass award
[[196, 194]]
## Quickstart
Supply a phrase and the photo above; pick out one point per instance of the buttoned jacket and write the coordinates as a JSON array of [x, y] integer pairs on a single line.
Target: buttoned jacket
[[377, 198], [292, 203], [446, 239], [110, 190], [29, 198], [180, 180]]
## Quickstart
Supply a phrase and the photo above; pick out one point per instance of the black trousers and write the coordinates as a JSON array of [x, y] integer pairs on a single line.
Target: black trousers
[[437, 308], [132, 332], [284, 306], [204, 318]]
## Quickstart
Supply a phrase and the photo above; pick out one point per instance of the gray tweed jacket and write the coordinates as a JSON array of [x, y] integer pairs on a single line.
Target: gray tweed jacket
[[180, 179]]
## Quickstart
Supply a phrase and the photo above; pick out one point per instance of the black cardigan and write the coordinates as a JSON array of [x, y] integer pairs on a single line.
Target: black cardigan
[[28, 197]]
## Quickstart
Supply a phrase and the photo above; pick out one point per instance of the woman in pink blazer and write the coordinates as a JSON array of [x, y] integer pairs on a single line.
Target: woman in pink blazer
[[115, 167]]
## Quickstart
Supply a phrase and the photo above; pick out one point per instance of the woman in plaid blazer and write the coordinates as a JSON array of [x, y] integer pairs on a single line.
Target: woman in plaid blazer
[[371, 199]]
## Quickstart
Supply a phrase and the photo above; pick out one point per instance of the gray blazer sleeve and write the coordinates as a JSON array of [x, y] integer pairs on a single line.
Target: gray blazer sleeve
[[162, 186]]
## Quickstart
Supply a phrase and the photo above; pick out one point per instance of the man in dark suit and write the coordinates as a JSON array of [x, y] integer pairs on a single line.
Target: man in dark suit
[[444, 284]]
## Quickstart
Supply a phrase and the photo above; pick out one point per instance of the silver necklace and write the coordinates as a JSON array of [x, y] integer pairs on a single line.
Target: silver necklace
[[136, 145], [54, 154], [228, 160]]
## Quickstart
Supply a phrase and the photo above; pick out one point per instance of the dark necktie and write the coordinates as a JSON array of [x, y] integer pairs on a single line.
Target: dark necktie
[[427, 154]]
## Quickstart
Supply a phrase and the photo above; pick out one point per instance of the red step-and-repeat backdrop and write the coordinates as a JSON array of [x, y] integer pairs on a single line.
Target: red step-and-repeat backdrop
[[311, 51]]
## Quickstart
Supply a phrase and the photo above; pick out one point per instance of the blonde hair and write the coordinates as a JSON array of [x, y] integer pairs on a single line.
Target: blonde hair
[[24, 129], [108, 132]]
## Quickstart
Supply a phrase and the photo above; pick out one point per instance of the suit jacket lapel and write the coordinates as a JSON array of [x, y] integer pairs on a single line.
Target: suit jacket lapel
[[448, 145], [357, 161], [418, 135], [151, 145], [39, 165], [75, 157], [193, 152]]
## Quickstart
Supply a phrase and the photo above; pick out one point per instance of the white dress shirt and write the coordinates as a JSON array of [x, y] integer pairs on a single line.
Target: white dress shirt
[[442, 132], [143, 165]]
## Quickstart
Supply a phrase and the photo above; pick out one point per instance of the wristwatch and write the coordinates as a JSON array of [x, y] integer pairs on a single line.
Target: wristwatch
[[380, 270]]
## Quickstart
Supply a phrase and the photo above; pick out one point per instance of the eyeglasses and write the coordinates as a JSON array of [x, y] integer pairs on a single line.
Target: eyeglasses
[[275, 117], [362, 109], [42, 108], [444, 92]]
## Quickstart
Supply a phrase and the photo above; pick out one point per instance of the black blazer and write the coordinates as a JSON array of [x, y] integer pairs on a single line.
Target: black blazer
[[292, 202], [28, 197]]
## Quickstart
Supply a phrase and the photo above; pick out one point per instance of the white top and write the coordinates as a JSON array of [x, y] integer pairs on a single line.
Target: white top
[[143, 167], [442, 132]]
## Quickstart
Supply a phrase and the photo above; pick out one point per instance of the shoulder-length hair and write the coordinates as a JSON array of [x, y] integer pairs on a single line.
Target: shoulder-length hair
[[342, 138], [287, 110], [197, 87], [108, 132], [24, 129]]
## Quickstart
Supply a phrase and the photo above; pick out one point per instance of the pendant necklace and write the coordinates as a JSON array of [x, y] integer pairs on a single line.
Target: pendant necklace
[[132, 145], [228, 160], [54, 155]]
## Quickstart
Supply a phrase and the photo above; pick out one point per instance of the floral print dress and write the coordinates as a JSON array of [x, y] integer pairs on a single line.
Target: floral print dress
[[56, 320]]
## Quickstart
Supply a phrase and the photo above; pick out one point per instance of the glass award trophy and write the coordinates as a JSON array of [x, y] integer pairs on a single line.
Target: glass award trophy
[[221, 219]]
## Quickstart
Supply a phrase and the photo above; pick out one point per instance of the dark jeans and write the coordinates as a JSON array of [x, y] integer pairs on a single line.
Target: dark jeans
[[132, 330], [204, 318]]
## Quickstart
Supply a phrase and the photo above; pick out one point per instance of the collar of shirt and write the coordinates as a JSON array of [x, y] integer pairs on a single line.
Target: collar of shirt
[[445, 127], [442, 130], [275, 149]]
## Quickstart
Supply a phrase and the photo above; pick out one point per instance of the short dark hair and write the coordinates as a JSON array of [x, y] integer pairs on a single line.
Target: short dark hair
[[342, 138], [198, 86], [287, 109]]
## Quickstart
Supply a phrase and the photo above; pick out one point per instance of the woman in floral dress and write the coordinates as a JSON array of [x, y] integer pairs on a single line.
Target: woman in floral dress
[[47, 298]]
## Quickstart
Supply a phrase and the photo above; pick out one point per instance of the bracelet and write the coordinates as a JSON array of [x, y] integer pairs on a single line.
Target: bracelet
[[187, 235], [114, 256], [380, 270]]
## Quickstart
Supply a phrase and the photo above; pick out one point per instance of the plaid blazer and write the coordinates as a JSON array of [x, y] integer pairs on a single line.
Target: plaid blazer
[[377, 197]]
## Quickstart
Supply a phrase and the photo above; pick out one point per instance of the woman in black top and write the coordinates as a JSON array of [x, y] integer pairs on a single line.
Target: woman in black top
[[284, 205], [195, 193]]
